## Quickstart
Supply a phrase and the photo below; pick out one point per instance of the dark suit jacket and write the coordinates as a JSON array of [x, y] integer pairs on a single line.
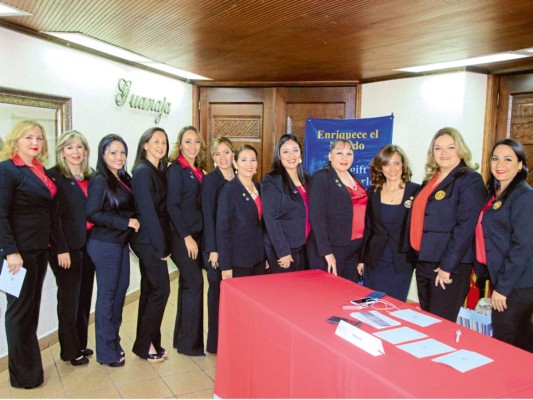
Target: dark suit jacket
[[284, 215], [150, 194], [449, 223], [376, 235], [184, 201], [69, 226], [25, 207], [110, 223], [330, 210], [508, 234], [239, 231], [211, 185]]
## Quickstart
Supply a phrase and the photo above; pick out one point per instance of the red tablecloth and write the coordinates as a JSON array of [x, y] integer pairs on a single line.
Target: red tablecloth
[[274, 342]]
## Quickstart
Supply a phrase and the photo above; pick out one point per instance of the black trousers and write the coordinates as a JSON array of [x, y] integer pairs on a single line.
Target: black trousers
[[21, 320], [258, 269], [299, 256], [346, 257], [188, 330], [214, 277], [444, 303], [514, 325], [155, 289], [74, 293]]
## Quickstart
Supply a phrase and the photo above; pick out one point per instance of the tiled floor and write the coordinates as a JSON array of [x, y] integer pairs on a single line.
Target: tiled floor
[[178, 377]]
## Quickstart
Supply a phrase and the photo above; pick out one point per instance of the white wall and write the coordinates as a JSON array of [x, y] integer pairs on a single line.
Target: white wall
[[423, 105], [31, 64]]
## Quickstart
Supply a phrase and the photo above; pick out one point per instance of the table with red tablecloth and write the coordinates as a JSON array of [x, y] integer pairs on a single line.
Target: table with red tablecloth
[[274, 342]]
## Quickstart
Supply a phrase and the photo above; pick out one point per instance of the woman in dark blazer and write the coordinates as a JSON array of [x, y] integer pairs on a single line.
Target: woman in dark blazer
[[222, 152], [239, 227], [507, 236], [285, 208], [387, 266], [72, 266], [110, 207], [337, 204], [184, 204], [26, 198], [151, 243], [443, 220]]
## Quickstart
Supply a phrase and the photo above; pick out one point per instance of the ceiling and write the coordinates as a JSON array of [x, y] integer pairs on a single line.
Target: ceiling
[[283, 41]]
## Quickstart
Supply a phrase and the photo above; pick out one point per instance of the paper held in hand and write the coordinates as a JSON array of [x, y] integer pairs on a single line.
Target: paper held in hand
[[10, 283]]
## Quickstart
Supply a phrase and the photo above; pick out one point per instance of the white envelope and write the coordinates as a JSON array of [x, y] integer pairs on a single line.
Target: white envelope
[[10, 283]]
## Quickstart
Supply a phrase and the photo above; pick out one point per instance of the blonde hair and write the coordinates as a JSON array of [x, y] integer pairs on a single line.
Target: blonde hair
[[19, 129], [218, 141], [65, 140], [175, 152], [463, 152]]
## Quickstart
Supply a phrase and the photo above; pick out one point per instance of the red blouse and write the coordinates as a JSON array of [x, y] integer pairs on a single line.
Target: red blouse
[[417, 213], [38, 169], [305, 198], [481, 252], [259, 205], [359, 201], [84, 186], [196, 171]]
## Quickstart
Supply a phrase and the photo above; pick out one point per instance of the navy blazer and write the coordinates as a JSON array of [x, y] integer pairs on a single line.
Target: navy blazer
[[211, 185], [69, 226], [330, 210], [184, 201], [25, 208], [110, 223], [239, 231], [377, 237], [150, 194], [450, 223], [508, 234], [284, 215]]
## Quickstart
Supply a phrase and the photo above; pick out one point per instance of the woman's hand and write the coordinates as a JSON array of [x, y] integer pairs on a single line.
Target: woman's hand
[[285, 261], [443, 278], [332, 264], [360, 268], [192, 247], [63, 260], [14, 262], [227, 274], [499, 301], [213, 259], [134, 223]]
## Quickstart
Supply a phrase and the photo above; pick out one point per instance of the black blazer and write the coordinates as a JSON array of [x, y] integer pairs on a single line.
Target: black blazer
[[25, 208], [239, 231], [376, 235], [508, 234], [284, 215], [211, 185], [184, 201], [110, 223], [150, 194], [330, 210], [69, 226], [450, 223]]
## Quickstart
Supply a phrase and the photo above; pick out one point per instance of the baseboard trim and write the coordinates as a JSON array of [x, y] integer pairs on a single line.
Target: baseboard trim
[[52, 338]]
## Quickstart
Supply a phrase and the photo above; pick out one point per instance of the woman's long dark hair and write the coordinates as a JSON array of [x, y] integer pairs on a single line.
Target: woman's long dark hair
[[493, 184], [141, 152], [102, 169], [277, 166]]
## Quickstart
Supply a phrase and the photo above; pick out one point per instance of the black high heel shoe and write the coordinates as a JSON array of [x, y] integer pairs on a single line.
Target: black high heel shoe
[[87, 352], [79, 361]]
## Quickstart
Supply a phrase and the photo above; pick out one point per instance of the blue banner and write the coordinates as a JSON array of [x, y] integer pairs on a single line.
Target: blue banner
[[367, 134]]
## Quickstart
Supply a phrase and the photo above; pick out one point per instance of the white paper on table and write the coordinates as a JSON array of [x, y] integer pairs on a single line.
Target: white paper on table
[[415, 317], [400, 335], [10, 283], [463, 360], [360, 338], [375, 319], [426, 348]]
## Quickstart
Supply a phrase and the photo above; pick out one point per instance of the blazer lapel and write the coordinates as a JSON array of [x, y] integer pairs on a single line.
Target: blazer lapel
[[26, 171]]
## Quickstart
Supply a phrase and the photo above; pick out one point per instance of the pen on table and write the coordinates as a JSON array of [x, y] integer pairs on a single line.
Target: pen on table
[[457, 335]]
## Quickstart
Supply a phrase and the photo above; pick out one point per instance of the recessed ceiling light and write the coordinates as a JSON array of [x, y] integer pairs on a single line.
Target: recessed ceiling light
[[8, 11], [465, 62], [95, 44]]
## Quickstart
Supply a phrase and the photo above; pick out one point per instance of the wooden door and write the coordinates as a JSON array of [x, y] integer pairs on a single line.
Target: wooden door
[[515, 112]]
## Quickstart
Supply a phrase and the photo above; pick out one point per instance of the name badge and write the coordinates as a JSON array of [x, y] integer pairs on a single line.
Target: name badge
[[408, 203], [440, 195]]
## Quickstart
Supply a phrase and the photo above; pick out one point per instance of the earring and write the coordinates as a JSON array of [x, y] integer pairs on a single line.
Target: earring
[[214, 165], [300, 161]]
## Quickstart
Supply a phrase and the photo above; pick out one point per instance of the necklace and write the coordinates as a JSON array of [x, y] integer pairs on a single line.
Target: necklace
[[78, 177]]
